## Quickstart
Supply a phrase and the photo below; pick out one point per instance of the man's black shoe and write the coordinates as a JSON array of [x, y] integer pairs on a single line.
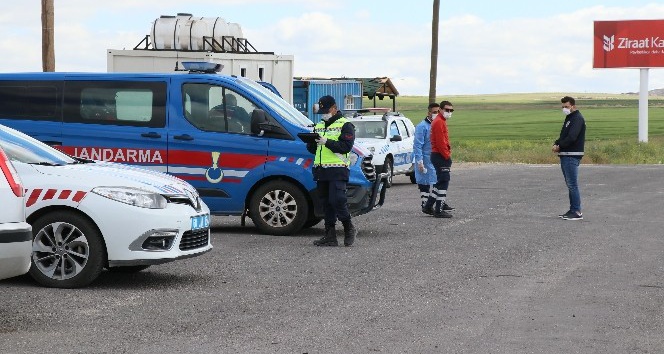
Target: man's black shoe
[[442, 214], [447, 207], [428, 211]]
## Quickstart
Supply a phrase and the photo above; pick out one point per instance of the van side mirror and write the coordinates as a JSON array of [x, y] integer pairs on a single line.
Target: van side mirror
[[258, 118], [396, 138]]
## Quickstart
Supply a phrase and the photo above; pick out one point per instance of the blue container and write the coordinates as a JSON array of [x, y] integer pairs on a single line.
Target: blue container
[[347, 94]]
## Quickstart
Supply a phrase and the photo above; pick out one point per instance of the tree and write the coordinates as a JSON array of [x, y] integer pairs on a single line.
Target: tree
[[434, 52], [48, 51]]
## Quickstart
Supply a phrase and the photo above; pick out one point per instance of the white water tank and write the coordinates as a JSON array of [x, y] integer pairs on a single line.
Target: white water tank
[[185, 32]]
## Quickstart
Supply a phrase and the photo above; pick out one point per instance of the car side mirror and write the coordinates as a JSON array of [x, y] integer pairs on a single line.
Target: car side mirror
[[396, 138]]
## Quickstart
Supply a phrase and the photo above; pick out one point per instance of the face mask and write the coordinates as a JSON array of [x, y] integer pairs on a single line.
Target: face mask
[[566, 111], [327, 116], [447, 115]]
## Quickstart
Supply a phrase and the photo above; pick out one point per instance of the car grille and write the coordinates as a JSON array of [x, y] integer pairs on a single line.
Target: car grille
[[193, 239], [368, 168]]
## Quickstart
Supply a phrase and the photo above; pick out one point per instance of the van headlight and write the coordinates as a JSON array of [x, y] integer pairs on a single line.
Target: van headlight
[[133, 196], [353, 158]]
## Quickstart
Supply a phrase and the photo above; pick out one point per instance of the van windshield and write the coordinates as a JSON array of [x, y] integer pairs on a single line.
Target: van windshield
[[275, 103], [23, 148]]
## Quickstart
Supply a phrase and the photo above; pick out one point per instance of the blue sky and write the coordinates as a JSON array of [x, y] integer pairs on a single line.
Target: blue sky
[[509, 46]]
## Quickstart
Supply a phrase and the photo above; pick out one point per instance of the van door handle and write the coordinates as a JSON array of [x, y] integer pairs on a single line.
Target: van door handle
[[186, 137], [151, 135]]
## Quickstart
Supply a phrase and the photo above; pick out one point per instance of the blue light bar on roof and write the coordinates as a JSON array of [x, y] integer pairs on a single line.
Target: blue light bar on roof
[[202, 66]]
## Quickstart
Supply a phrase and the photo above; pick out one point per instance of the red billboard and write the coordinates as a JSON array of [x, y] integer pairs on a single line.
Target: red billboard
[[628, 44]]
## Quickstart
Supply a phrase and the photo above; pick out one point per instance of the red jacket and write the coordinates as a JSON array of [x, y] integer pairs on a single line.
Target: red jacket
[[440, 141]]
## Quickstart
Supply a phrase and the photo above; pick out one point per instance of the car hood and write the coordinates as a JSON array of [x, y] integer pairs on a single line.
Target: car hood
[[368, 142], [97, 174]]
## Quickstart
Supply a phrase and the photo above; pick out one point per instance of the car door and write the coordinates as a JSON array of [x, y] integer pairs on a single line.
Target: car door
[[116, 120], [210, 144], [405, 147], [396, 146]]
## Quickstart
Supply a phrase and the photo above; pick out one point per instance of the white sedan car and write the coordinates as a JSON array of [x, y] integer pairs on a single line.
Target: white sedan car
[[89, 215], [15, 233], [389, 137]]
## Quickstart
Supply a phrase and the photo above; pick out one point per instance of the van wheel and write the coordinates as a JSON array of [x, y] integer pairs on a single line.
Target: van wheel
[[389, 169], [278, 208], [67, 250]]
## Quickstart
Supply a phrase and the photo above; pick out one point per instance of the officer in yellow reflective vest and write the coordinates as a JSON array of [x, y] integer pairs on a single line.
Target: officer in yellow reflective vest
[[331, 170]]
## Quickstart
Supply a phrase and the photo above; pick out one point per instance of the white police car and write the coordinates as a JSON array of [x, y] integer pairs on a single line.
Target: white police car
[[88, 215], [388, 136]]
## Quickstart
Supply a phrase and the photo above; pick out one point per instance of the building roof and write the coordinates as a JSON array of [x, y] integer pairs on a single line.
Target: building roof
[[378, 86]]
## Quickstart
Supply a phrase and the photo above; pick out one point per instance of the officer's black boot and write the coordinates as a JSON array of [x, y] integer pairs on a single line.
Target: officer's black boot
[[427, 208], [438, 211], [330, 238], [349, 233]]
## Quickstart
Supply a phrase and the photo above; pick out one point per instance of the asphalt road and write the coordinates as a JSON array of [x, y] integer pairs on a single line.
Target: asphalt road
[[505, 275]]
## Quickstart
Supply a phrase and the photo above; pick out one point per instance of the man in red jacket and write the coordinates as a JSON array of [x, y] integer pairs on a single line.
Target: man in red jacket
[[441, 158]]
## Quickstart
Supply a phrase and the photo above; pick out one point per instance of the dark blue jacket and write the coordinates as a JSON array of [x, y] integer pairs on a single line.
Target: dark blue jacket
[[572, 135]]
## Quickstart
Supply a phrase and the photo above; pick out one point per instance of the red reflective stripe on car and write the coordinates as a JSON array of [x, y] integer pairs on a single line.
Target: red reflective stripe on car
[[64, 194], [307, 163], [227, 160], [32, 199], [11, 175], [49, 194], [78, 196]]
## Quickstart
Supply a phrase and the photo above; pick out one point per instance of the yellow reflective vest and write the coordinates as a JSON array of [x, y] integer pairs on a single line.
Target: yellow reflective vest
[[324, 156]]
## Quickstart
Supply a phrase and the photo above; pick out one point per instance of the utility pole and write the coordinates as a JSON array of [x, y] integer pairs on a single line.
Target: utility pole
[[48, 50], [434, 52]]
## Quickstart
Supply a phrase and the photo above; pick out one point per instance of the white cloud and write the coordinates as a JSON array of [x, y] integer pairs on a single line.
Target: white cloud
[[332, 39]]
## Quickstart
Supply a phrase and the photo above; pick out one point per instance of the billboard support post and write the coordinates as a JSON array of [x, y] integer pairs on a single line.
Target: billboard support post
[[643, 107]]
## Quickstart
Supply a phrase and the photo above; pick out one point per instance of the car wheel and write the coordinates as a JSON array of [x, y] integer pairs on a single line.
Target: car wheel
[[278, 208], [67, 250], [389, 169], [128, 269]]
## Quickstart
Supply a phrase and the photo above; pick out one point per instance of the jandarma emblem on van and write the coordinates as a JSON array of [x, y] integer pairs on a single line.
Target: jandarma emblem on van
[[118, 154]]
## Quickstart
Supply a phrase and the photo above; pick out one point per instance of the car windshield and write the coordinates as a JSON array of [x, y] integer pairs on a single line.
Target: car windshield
[[370, 129], [275, 103], [22, 148]]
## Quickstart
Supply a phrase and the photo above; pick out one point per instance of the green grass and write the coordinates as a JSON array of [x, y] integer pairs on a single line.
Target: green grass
[[520, 128]]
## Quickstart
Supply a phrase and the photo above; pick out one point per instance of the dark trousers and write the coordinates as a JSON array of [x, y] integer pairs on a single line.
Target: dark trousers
[[438, 193], [334, 201]]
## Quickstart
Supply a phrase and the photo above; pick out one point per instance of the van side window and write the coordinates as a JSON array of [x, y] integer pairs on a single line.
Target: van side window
[[216, 108], [34, 100], [135, 103]]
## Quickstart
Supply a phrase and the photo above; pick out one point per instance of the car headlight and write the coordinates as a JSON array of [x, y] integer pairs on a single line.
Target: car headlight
[[133, 196]]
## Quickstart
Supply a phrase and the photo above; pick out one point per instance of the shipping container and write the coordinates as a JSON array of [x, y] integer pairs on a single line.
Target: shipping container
[[347, 94]]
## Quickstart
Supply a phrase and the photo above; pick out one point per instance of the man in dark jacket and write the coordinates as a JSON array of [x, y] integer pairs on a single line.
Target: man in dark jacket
[[569, 148], [332, 169]]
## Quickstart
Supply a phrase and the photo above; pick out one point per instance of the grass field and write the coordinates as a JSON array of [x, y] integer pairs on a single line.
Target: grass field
[[520, 128]]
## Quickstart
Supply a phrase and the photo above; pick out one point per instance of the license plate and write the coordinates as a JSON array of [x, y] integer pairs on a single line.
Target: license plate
[[200, 222]]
